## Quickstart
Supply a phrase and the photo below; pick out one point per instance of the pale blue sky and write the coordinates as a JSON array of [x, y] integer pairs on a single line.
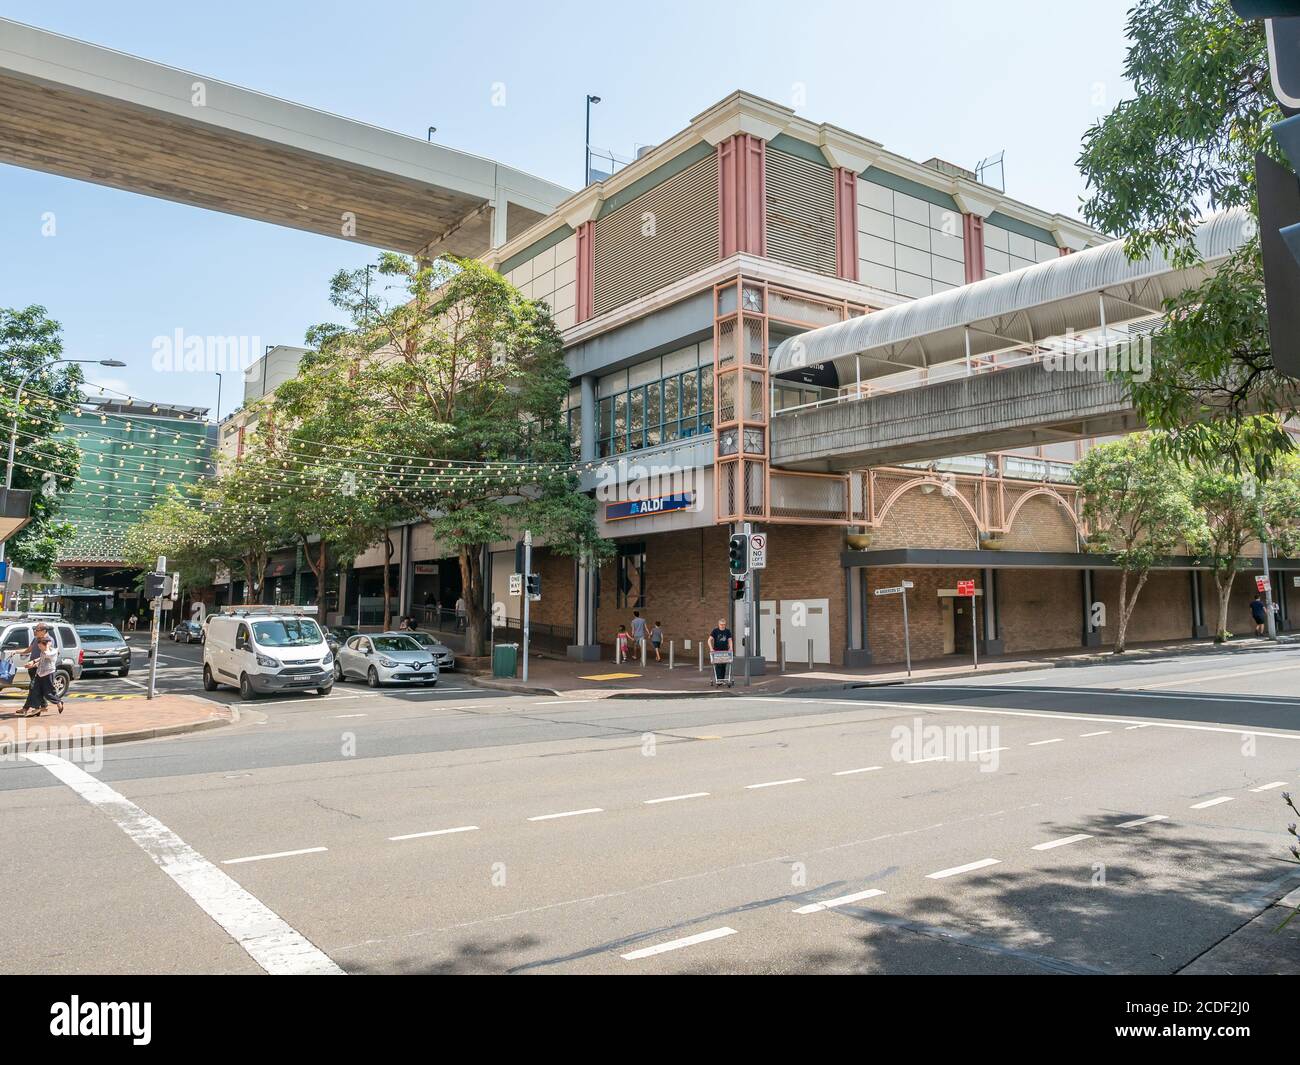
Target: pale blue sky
[[957, 80]]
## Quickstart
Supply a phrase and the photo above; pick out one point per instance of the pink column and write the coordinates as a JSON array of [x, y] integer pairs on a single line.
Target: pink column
[[742, 203], [972, 231], [585, 288], [846, 223]]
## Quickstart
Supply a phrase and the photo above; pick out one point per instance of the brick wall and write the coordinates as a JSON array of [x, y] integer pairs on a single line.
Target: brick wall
[[1042, 524], [918, 519], [1163, 612], [803, 562], [1040, 609], [924, 611]]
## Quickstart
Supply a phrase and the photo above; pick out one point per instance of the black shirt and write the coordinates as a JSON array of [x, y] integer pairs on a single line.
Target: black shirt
[[721, 639]]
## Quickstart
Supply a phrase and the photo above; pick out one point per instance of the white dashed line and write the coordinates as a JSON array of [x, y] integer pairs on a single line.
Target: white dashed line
[[1130, 728], [1064, 841], [850, 772], [983, 863], [775, 783], [843, 900], [1270, 786], [1103, 732], [435, 832], [1143, 821], [1212, 802], [568, 813], [1040, 743], [277, 854], [677, 944], [675, 798], [989, 750], [932, 758], [340, 717]]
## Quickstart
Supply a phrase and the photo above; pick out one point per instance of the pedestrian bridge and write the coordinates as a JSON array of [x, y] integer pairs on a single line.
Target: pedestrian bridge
[[1015, 360]]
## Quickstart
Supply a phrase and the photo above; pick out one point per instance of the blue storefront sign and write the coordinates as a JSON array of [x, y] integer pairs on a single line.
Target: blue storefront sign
[[644, 508]]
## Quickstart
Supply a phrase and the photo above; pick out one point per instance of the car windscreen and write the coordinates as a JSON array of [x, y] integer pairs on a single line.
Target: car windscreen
[[99, 636], [286, 632], [423, 639], [395, 643]]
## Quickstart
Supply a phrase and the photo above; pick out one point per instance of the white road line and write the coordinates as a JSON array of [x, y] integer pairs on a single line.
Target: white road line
[[1130, 728], [265, 936], [675, 798], [1040, 743], [989, 750], [932, 758], [1211, 802], [983, 863], [1143, 821], [850, 772], [277, 854], [677, 944], [775, 783], [340, 717], [435, 832], [567, 813], [843, 900], [1270, 786], [1085, 735], [1064, 841]]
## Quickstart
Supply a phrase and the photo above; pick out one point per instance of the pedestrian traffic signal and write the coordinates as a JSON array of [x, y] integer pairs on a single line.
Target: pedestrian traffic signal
[[737, 587], [738, 554], [154, 585]]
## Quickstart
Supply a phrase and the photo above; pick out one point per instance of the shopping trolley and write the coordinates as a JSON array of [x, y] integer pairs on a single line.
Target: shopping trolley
[[721, 658]]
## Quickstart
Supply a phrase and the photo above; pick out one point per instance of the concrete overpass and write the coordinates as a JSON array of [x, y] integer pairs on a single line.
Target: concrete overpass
[[1017, 353], [81, 111]]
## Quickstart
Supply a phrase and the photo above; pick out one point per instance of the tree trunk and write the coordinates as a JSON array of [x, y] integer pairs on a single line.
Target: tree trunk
[[388, 592], [1223, 581], [1127, 604], [471, 581]]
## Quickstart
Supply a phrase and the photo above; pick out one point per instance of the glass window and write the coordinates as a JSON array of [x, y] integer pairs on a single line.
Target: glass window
[[636, 419], [652, 415], [620, 423], [287, 632]]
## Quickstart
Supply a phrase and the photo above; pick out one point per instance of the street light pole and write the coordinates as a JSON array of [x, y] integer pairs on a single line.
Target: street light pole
[[220, 382], [586, 160]]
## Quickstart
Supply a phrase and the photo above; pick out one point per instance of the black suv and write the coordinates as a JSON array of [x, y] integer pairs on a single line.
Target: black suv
[[105, 649]]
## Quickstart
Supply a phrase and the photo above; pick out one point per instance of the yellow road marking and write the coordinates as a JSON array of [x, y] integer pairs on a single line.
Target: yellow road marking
[[612, 676]]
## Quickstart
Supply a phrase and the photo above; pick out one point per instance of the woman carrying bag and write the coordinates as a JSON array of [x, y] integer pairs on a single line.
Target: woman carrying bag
[[41, 688]]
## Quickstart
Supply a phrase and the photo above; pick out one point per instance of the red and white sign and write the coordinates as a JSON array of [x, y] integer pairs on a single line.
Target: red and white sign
[[966, 588], [1261, 585]]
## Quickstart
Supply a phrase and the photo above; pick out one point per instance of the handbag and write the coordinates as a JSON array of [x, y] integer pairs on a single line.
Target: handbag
[[7, 671]]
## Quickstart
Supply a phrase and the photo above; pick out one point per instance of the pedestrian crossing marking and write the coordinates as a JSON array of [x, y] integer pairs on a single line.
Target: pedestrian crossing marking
[[21, 693], [612, 676]]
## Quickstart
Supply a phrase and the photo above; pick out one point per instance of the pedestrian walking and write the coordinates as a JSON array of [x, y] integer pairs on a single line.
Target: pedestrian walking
[[638, 629], [41, 691], [657, 640], [720, 640], [462, 614], [1260, 613], [623, 642]]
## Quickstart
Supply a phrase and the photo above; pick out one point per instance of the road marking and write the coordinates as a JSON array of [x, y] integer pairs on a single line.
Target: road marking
[[1040, 743], [677, 944], [989, 750], [1144, 820], [1269, 786], [1130, 728], [263, 934], [674, 798], [1212, 802], [843, 900], [340, 717], [850, 772], [775, 783], [1064, 841], [983, 863], [277, 854], [1103, 732], [567, 813], [1217, 676], [435, 832]]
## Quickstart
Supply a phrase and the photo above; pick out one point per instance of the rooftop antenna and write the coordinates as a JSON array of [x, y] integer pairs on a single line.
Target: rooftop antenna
[[990, 171]]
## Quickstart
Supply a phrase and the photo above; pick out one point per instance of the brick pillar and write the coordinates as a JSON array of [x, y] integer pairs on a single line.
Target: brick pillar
[[585, 288], [972, 231], [846, 224], [742, 207]]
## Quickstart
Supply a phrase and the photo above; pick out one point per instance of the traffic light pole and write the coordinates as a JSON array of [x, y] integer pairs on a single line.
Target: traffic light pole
[[749, 609], [153, 632], [528, 569]]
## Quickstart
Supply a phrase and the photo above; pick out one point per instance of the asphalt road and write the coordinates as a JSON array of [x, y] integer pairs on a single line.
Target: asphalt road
[[1110, 819]]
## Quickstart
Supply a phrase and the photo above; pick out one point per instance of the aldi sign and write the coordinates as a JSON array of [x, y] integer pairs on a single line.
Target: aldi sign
[[645, 508]]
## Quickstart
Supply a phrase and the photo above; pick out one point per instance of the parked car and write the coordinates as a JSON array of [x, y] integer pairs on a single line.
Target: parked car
[[385, 658], [16, 638], [337, 635], [188, 632], [266, 649], [442, 654], [105, 649]]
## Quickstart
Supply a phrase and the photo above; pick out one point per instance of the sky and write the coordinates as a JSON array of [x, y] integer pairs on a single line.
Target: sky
[[957, 80]]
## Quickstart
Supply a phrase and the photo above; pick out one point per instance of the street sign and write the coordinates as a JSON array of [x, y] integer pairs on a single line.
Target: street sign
[[897, 590], [908, 584], [516, 583], [758, 551], [966, 588], [1261, 584]]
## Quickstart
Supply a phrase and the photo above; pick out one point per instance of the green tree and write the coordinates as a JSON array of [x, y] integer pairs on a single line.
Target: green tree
[[44, 464], [1136, 503], [1231, 506], [454, 391], [1185, 142]]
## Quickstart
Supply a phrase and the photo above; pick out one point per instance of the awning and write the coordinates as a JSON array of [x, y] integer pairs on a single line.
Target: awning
[[923, 557], [1027, 306]]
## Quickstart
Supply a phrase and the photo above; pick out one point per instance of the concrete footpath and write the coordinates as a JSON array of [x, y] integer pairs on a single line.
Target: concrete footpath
[[1266, 945], [607, 680], [90, 717]]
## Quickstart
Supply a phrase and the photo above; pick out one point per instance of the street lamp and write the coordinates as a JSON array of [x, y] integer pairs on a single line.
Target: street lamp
[[18, 400], [220, 381], [586, 173]]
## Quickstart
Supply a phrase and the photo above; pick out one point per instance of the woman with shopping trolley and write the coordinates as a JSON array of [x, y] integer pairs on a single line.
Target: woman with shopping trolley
[[720, 653]]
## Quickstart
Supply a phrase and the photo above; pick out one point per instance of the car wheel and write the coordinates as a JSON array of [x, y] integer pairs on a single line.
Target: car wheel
[[326, 690], [124, 671], [372, 678], [209, 683], [62, 682], [246, 687], [338, 672]]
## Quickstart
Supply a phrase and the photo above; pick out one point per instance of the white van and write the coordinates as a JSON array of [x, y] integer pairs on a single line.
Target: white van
[[266, 649]]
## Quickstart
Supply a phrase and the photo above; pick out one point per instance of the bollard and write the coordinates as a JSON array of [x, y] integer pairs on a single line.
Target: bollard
[[672, 645], [701, 656], [810, 656], [782, 656], [643, 653]]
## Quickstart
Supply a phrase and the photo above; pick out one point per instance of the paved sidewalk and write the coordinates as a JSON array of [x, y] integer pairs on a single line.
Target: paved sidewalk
[[91, 717], [1267, 945], [605, 680]]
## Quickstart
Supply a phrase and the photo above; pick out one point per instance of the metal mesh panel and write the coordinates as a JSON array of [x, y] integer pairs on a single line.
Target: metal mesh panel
[[755, 393], [726, 386], [727, 342], [800, 211], [728, 503], [755, 345], [755, 487], [795, 309], [809, 498]]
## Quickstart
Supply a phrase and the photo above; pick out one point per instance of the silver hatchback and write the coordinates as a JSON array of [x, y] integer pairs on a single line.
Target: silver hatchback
[[385, 658]]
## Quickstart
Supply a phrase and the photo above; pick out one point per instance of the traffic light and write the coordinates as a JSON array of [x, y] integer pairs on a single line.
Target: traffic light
[[738, 554], [534, 585], [154, 585], [737, 587], [519, 557]]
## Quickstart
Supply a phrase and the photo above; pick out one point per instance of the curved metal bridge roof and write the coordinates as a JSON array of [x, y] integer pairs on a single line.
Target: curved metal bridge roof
[[1011, 310]]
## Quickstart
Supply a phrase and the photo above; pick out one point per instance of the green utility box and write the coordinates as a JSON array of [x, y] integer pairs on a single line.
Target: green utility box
[[505, 657]]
